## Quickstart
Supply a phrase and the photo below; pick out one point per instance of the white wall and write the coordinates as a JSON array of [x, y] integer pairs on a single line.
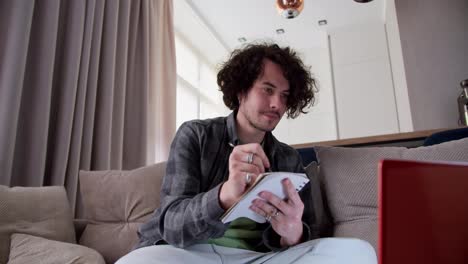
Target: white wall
[[192, 30], [365, 98], [434, 40], [398, 68]]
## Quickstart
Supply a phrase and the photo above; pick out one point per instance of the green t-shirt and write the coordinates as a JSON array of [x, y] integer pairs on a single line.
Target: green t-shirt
[[242, 233]]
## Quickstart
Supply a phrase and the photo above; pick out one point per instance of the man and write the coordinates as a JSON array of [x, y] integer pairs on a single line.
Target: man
[[212, 163]]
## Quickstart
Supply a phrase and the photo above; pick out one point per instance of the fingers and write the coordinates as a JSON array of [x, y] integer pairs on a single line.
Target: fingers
[[292, 207], [259, 156], [246, 162], [270, 212], [248, 158], [270, 202], [285, 216], [275, 201], [243, 178], [238, 161], [292, 194]]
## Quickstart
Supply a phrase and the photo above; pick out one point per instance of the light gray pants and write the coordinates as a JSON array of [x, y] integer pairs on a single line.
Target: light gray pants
[[318, 251]]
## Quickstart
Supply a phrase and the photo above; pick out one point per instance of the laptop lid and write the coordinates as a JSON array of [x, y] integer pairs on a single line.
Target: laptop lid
[[423, 212]]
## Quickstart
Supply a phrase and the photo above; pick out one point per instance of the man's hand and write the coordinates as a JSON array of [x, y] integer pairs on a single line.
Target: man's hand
[[246, 162], [285, 216]]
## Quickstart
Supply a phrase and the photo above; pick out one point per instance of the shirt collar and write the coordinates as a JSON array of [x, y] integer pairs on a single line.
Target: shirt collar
[[232, 130]]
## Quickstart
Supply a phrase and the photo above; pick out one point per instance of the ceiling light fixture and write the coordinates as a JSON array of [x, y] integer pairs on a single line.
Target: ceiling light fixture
[[362, 1], [289, 8], [322, 22], [280, 31]]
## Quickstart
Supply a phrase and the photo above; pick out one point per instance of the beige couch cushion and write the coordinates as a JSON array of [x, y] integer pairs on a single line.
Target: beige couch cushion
[[349, 176], [26, 249], [38, 211], [116, 203]]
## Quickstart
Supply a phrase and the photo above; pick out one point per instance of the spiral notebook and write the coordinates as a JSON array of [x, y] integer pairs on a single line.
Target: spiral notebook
[[271, 182]]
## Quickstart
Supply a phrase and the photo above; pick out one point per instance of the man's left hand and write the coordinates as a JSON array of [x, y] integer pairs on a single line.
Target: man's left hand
[[285, 215]]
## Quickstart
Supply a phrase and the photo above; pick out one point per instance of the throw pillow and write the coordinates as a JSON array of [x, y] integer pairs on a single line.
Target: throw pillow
[[27, 249], [38, 211], [349, 177], [320, 212], [115, 204]]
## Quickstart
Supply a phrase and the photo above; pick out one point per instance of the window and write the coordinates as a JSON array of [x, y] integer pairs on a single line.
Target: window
[[198, 96]]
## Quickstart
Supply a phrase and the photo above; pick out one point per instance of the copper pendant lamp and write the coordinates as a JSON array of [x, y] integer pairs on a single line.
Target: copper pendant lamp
[[289, 8]]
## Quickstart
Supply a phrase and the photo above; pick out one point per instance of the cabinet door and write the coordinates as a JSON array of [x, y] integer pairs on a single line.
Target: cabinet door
[[364, 92]]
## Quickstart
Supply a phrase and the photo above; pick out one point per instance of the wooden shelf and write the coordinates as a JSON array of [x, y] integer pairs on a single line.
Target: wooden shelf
[[373, 140]]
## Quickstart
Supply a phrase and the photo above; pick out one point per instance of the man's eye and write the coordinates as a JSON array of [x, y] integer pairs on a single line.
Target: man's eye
[[268, 90], [285, 95]]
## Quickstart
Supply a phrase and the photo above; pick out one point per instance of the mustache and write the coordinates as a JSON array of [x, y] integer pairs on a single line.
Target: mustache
[[272, 113]]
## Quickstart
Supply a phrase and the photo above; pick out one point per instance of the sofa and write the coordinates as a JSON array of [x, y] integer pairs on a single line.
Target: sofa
[[36, 224]]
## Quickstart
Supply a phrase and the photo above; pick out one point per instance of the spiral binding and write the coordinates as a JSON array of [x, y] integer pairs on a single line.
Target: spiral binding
[[300, 186]]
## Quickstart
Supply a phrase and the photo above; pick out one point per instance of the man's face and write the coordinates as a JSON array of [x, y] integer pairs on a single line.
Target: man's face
[[265, 102]]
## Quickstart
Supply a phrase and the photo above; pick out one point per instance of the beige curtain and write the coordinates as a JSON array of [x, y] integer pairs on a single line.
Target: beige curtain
[[162, 106], [84, 85]]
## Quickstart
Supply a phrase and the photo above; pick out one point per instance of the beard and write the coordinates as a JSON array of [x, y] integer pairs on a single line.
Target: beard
[[266, 126]]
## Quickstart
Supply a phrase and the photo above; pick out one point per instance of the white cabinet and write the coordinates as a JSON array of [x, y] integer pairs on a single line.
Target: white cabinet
[[364, 94]]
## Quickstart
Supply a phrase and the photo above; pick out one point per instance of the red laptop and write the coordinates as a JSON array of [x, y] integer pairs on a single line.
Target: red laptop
[[423, 212]]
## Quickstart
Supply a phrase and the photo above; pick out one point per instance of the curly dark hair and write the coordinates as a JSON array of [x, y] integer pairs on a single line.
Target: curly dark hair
[[245, 65]]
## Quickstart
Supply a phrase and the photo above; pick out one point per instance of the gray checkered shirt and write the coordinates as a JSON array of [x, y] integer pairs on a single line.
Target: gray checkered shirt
[[190, 210]]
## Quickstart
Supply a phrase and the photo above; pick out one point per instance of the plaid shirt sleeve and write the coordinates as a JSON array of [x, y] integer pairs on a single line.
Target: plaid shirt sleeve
[[186, 215]]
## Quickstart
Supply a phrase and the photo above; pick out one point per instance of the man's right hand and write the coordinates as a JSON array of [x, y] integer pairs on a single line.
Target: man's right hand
[[239, 167]]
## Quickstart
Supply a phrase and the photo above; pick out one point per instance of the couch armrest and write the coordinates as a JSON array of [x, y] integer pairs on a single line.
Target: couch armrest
[[80, 225]]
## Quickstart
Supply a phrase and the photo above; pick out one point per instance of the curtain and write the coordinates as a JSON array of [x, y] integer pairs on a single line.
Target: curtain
[[84, 85]]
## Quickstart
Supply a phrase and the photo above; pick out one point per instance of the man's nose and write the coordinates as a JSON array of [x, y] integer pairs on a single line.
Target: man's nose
[[275, 101]]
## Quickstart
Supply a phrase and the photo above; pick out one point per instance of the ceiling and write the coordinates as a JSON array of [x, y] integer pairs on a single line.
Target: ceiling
[[229, 20]]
